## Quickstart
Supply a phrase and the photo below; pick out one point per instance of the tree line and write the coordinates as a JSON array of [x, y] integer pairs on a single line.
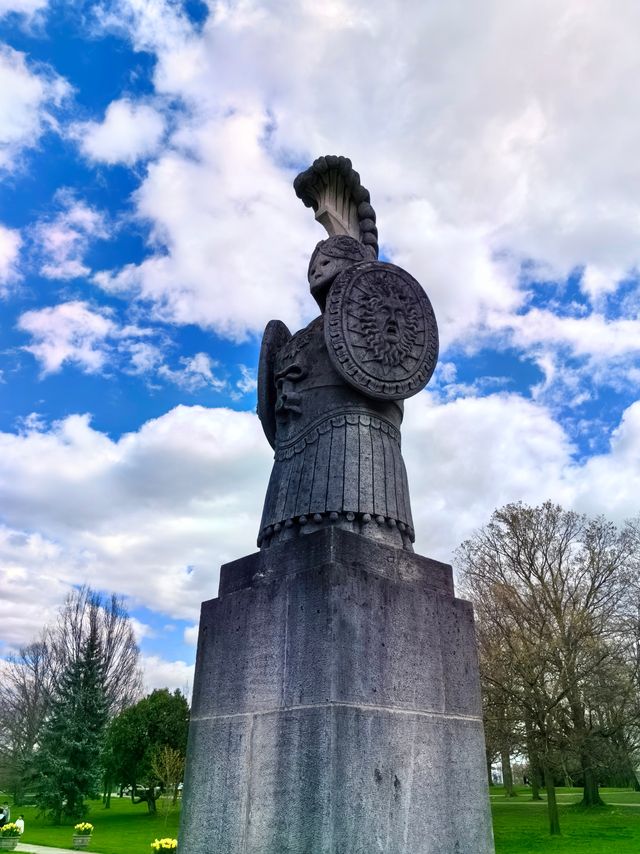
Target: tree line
[[73, 722], [557, 604]]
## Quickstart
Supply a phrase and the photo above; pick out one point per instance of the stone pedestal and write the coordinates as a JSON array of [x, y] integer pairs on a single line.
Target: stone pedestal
[[336, 707]]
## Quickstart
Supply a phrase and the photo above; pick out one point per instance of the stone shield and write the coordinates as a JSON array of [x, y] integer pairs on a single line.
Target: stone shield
[[380, 331], [275, 336]]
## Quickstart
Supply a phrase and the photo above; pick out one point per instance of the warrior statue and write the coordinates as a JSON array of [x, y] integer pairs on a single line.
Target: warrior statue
[[330, 397]]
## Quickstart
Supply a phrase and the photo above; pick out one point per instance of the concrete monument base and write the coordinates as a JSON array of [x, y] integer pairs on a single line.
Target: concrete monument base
[[336, 707]]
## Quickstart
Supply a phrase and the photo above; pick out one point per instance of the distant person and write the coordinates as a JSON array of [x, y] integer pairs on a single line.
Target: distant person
[[20, 824], [7, 811], [3, 817]]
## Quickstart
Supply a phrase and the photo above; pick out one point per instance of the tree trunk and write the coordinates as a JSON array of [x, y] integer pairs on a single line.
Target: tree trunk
[[535, 782], [591, 795], [552, 805], [507, 775], [489, 774], [147, 795], [535, 773], [567, 777], [18, 794]]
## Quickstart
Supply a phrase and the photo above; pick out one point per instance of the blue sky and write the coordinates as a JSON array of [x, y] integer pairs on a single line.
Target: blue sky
[[148, 231]]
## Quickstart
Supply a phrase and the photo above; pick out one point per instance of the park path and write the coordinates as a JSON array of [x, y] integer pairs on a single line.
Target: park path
[[43, 849]]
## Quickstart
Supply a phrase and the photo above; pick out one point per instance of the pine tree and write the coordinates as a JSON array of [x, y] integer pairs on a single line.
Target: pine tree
[[68, 761]]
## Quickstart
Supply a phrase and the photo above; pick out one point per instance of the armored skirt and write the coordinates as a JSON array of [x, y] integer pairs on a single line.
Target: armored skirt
[[337, 452]]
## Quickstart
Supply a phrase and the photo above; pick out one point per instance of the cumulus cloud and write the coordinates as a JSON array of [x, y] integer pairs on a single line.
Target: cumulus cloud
[[129, 132], [248, 381], [71, 332], [234, 240], [160, 673], [62, 240], [28, 8], [33, 585], [159, 510], [505, 139], [29, 94], [152, 515], [10, 243], [191, 634], [593, 335], [94, 340], [195, 372]]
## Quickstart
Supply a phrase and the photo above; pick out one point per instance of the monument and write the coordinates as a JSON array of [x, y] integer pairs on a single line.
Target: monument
[[336, 704]]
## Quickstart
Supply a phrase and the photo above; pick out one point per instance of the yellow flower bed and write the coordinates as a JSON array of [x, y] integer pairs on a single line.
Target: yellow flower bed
[[165, 844], [9, 830], [83, 829]]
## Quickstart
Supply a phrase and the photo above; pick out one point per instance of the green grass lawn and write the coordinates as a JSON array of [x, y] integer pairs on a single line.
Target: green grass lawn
[[520, 826], [123, 829]]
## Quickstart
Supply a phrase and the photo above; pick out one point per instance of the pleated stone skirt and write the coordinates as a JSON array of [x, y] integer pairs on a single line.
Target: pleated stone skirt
[[347, 465]]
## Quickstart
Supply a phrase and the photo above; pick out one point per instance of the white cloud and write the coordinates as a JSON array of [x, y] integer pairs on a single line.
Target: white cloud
[[93, 340], [506, 137], [145, 358], [196, 373], [71, 332], [236, 240], [159, 673], [10, 243], [191, 634], [28, 8], [130, 131], [62, 240], [155, 513], [470, 455], [28, 94], [158, 511], [248, 381], [32, 585], [593, 335]]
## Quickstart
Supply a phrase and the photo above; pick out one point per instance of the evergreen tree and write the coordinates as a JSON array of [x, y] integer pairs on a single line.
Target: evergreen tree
[[68, 761]]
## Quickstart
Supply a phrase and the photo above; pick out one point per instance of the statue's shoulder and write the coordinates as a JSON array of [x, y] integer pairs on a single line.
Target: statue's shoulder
[[276, 336]]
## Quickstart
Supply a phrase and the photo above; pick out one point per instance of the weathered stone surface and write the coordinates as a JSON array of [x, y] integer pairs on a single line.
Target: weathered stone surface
[[336, 707]]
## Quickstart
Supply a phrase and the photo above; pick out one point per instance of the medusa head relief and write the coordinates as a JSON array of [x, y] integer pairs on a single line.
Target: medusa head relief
[[389, 324], [380, 330]]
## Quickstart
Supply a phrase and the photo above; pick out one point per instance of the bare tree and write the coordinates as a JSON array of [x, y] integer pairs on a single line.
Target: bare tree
[[521, 700], [83, 610], [167, 764], [559, 587], [25, 692]]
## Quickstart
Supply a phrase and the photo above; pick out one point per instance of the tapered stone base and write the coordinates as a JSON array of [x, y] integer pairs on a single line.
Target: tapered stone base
[[336, 707]]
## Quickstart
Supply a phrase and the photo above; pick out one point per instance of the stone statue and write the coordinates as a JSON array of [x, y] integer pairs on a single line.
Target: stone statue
[[330, 397]]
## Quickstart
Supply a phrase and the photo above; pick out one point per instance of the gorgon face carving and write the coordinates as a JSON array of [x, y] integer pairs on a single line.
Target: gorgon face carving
[[389, 324]]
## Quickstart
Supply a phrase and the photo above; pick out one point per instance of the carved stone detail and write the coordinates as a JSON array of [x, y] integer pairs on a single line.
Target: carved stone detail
[[276, 335], [381, 331]]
